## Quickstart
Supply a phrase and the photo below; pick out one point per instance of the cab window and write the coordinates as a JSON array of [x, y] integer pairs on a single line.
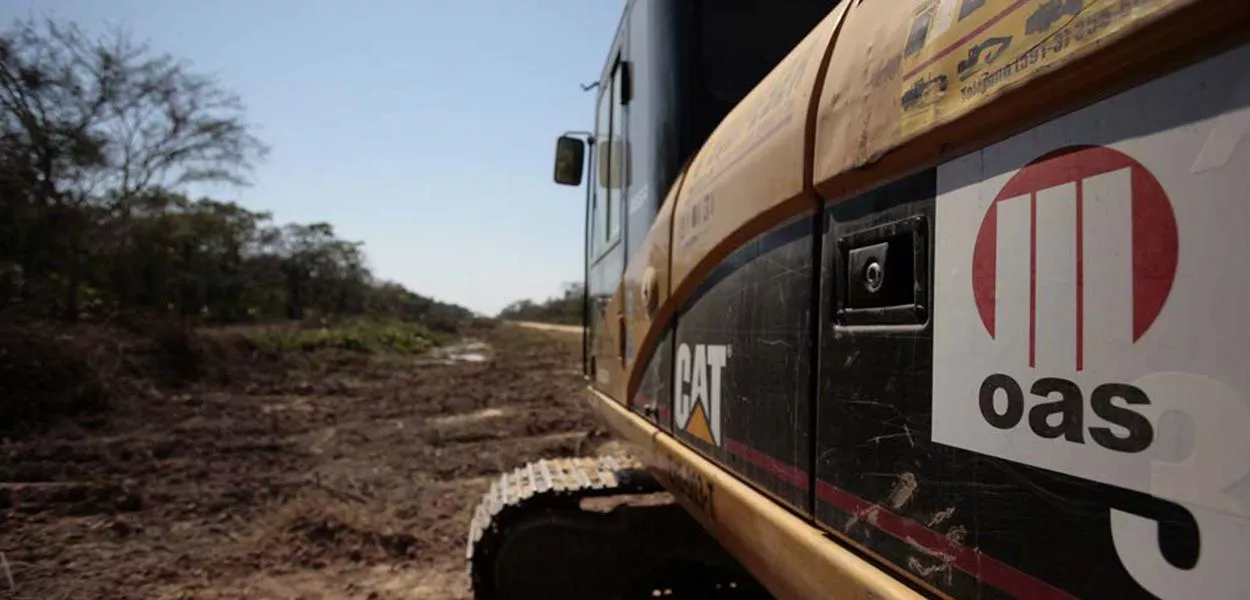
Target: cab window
[[610, 176]]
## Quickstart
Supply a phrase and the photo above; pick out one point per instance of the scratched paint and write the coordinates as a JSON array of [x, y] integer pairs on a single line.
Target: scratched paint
[[757, 305]]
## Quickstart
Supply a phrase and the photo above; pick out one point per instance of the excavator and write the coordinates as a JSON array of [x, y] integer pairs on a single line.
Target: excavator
[[896, 299]]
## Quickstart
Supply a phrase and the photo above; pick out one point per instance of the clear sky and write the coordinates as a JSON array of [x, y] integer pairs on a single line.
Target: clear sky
[[424, 128]]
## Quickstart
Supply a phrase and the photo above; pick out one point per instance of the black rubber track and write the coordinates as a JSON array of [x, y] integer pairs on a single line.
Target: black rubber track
[[530, 538]]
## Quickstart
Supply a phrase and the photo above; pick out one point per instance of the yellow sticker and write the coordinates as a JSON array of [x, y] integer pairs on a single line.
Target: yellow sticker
[[986, 45]]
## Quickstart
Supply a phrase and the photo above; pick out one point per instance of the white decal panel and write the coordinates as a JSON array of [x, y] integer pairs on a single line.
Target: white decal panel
[[1092, 305]]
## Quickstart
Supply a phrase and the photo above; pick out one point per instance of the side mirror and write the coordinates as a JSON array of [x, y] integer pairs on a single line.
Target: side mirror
[[570, 159]]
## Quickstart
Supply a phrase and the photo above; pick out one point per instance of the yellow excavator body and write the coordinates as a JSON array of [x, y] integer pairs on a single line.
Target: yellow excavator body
[[947, 300]]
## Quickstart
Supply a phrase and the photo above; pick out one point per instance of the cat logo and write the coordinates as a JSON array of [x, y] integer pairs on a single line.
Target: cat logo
[[697, 383]]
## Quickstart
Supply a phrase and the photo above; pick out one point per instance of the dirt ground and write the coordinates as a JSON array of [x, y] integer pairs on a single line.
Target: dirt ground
[[348, 477]]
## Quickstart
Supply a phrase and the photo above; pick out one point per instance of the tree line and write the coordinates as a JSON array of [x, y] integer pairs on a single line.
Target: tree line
[[99, 140], [563, 309]]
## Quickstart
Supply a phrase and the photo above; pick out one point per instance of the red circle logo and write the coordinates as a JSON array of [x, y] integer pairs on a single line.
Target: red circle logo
[[1110, 204]]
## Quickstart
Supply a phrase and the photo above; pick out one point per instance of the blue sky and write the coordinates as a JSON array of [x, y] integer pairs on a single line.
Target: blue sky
[[424, 128]]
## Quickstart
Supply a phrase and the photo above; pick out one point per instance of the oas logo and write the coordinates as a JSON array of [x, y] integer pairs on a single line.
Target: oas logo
[[697, 387], [1081, 241], [1073, 263]]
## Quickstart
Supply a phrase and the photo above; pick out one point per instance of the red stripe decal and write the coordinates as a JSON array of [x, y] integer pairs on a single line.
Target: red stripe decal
[[1080, 275], [969, 560], [789, 473], [1033, 280]]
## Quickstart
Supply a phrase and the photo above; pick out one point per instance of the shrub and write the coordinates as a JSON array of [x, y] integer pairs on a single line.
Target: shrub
[[364, 335]]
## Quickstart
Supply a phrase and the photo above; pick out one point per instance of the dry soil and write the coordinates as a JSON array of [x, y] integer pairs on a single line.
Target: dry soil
[[347, 477]]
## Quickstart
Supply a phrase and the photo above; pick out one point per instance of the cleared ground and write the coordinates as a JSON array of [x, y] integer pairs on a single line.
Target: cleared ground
[[570, 329], [347, 477]]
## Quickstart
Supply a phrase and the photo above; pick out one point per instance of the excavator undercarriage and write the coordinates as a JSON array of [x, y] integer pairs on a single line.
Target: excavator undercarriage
[[596, 527]]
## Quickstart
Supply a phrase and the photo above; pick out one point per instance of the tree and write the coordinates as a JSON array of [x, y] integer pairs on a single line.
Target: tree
[[98, 140], [565, 308], [88, 125]]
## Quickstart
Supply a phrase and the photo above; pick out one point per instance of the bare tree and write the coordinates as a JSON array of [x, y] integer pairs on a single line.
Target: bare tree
[[98, 121], [122, 118]]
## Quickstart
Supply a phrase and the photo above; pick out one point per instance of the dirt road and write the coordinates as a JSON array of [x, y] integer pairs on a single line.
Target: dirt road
[[568, 329], [347, 477]]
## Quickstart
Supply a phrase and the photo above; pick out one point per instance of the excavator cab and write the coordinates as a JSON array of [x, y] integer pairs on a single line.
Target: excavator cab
[[675, 68]]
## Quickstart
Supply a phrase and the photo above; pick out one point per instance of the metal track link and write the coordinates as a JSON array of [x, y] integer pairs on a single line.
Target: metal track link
[[545, 484]]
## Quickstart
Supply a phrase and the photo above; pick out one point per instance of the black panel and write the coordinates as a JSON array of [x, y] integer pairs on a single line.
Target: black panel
[[653, 399], [970, 525], [748, 330]]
